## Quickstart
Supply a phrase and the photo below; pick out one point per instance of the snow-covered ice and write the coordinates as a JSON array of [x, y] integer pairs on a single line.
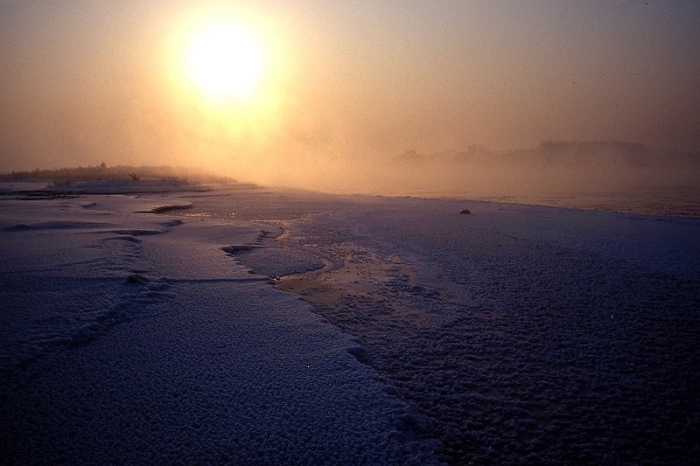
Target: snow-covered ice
[[512, 335], [133, 338], [522, 334]]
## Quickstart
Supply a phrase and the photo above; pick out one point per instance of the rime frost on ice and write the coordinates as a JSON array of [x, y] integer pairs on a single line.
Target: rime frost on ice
[[139, 341], [535, 336], [531, 332]]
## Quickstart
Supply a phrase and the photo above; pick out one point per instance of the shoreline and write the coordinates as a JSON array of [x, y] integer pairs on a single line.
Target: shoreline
[[659, 201]]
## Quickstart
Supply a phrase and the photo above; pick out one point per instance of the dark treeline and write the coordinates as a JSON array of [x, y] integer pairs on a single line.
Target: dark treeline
[[69, 175], [557, 153], [552, 166]]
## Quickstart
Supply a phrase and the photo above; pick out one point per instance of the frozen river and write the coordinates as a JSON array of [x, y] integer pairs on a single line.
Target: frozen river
[[510, 335], [518, 333]]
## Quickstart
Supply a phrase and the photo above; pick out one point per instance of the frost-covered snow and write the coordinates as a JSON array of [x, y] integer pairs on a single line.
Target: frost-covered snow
[[523, 334], [133, 338], [512, 335]]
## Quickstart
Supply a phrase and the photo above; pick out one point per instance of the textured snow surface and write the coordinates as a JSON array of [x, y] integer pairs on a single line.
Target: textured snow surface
[[522, 335], [517, 335], [133, 338], [512, 335]]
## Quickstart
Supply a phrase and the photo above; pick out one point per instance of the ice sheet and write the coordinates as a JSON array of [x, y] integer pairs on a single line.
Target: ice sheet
[[510, 335], [519, 334], [134, 338]]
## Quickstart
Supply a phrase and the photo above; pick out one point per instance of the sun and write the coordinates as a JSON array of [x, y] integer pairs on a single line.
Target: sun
[[225, 61]]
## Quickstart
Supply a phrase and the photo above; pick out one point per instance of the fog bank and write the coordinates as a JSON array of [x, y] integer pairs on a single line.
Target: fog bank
[[552, 166], [389, 97]]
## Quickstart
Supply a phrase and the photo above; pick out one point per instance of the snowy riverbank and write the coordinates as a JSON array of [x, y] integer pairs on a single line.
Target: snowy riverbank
[[512, 335]]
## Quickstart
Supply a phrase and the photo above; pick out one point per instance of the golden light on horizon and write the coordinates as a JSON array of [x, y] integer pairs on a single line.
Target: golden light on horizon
[[225, 61], [226, 83], [321, 94]]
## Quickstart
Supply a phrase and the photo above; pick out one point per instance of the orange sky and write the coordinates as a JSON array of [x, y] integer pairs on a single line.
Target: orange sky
[[348, 85]]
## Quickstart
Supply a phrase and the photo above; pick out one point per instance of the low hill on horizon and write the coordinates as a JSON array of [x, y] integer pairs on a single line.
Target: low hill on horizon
[[63, 177]]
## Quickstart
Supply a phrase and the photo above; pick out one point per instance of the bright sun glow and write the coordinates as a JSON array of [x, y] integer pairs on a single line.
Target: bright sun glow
[[225, 61]]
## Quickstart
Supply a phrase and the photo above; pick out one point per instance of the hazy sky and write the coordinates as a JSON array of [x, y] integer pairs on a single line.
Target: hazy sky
[[345, 84]]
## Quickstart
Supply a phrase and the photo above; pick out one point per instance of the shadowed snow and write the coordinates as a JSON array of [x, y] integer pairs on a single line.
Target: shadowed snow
[[123, 345], [513, 335]]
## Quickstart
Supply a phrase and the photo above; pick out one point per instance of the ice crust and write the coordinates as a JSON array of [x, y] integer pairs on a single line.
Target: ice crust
[[513, 335], [522, 335], [136, 340]]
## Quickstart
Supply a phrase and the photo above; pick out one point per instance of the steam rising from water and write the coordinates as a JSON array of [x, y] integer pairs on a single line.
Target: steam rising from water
[[552, 167]]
